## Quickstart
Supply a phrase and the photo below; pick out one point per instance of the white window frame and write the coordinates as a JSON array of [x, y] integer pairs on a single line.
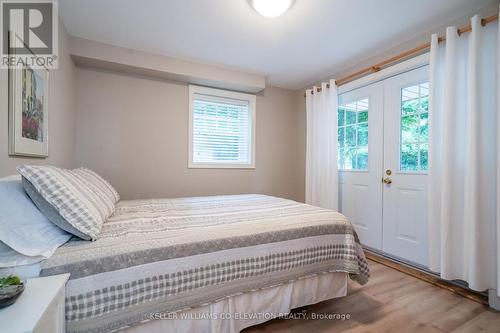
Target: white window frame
[[219, 93]]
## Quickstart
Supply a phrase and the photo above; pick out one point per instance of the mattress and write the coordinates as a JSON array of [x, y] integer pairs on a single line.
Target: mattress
[[168, 255]]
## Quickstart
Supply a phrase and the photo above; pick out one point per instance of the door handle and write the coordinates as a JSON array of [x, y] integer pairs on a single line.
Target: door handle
[[387, 180]]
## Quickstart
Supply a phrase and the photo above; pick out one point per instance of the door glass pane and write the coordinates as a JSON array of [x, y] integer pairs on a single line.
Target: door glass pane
[[424, 154], [409, 128], [363, 135], [424, 127], [350, 133], [362, 158], [341, 117], [414, 128], [350, 117], [363, 116], [353, 135], [409, 157], [350, 158], [341, 131]]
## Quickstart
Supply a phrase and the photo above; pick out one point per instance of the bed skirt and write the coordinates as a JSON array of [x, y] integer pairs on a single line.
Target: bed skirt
[[233, 314]]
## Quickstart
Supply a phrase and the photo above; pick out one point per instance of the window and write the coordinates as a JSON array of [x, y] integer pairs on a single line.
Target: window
[[353, 135], [221, 128], [414, 128]]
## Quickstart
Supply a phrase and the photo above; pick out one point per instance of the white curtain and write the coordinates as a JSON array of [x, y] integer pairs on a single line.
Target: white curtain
[[464, 156], [321, 151]]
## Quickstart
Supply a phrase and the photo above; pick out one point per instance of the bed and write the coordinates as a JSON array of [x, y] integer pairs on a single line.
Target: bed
[[205, 255]]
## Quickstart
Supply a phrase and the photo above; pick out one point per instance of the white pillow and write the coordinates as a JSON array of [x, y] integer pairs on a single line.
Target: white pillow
[[23, 227], [11, 258]]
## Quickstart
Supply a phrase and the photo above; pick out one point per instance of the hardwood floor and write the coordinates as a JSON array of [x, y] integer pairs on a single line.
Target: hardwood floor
[[392, 302]]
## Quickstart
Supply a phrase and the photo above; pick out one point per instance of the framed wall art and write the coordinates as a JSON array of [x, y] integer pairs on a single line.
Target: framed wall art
[[28, 111]]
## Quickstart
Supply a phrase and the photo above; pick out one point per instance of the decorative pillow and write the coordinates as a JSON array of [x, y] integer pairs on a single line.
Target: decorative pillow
[[99, 185], [23, 228], [50, 212], [69, 194]]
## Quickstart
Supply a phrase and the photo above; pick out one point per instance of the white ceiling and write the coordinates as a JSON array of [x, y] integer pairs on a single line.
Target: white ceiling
[[312, 40]]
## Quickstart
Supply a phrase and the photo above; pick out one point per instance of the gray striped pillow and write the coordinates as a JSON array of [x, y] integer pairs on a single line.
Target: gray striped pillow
[[71, 195], [103, 187], [105, 198]]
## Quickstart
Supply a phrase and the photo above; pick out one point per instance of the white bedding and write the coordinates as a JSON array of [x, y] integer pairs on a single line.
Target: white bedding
[[25, 233], [23, 271]]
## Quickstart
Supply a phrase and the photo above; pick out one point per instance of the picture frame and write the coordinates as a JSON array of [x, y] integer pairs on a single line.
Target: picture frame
[[28, 111]]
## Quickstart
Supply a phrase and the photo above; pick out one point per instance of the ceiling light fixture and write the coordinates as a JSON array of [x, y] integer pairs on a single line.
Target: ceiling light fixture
[[271, 8]]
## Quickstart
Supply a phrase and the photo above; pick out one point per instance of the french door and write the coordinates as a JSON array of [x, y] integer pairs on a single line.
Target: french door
[[360, 137], [383, 148]]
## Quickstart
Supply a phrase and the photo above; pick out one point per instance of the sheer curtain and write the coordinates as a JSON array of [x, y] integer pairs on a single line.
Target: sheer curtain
[[321, 150], [464, 157]]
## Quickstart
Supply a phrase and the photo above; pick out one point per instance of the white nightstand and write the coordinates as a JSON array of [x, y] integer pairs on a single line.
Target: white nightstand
[[40, 308]]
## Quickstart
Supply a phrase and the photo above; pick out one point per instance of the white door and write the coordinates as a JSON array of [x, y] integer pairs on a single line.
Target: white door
[[405, 165], [360, 161], [383, 137]]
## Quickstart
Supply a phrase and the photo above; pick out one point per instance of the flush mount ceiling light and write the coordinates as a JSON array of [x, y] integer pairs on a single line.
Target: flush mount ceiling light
[[271, 8]]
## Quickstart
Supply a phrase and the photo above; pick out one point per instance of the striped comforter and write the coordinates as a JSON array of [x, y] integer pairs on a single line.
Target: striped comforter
[[166, 255]]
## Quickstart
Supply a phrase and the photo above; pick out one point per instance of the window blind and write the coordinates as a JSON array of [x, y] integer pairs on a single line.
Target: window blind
[[221, 130]]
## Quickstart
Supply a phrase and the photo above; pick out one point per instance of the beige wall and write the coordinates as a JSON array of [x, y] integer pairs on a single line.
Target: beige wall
[[134, 131], [61, 115]]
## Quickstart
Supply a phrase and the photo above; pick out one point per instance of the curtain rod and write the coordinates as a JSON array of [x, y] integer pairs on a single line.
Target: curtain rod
[[421, 48]]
